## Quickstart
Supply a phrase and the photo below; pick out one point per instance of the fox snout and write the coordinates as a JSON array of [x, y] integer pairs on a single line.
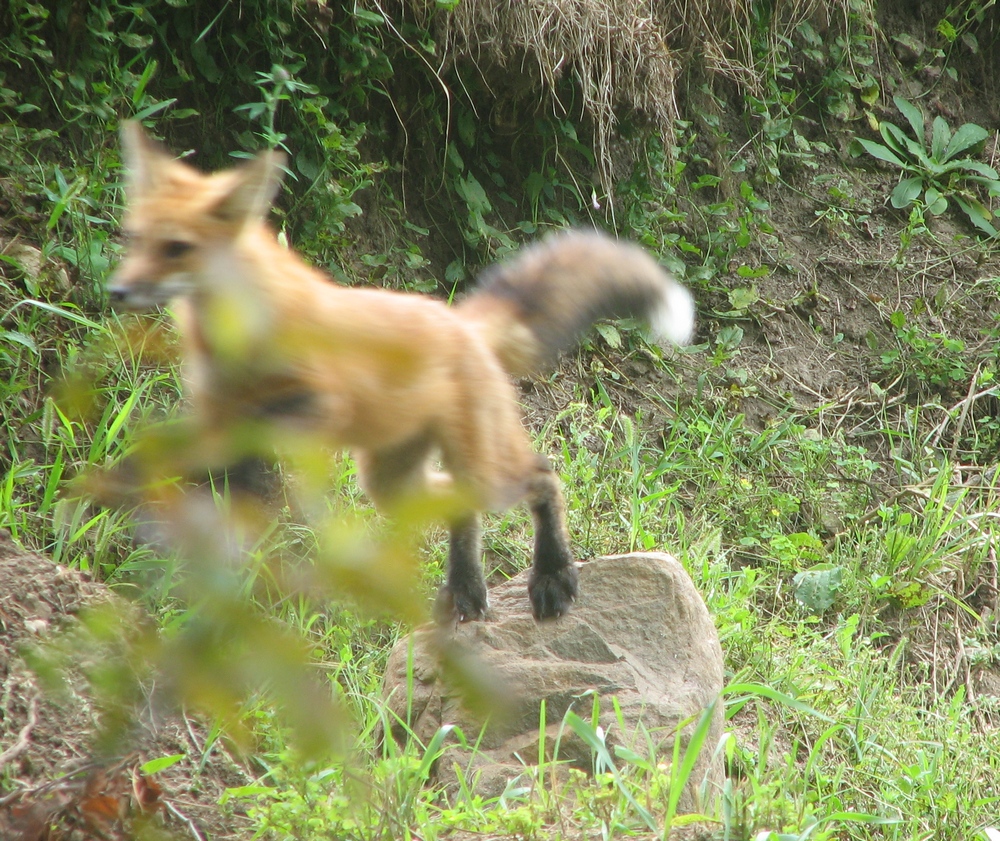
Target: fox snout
[[118, 297], [139, 296], [127, 299], [131, 293], [140, 283]]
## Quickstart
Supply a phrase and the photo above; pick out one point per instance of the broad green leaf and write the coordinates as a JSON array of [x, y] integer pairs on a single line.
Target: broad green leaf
[[146, 113], [368, 18], [906, 192], [16, 337], [433, 751], [839, 107], [731, 336], [936, 202], [964, 138], [473, 193], [609, 333], [883, 153], [975, 166], [67, 311], [154, 766], [992, 185], [144, 77], [743, 298], [245, 791], [913, 116], [946, 29], [940, 137], [454, 157], [816, 588], [533, 185], [902, 144], [978, 215], [809, 34]]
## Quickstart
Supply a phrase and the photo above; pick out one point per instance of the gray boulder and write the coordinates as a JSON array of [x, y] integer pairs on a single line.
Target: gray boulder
[[639, 637]]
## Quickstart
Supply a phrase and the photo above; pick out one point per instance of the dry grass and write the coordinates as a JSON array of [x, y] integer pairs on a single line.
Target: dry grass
[[622, 56]]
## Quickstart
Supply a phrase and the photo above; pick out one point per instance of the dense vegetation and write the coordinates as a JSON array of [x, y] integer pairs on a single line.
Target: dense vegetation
[[823, 460]]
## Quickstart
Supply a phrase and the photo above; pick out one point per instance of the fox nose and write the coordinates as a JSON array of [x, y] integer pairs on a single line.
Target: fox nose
[[117, 295]]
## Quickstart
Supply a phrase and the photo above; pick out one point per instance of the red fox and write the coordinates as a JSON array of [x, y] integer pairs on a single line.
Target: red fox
[[399, 379]]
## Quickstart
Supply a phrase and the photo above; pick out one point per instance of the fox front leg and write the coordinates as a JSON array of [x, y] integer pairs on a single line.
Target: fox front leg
[[553, 582]]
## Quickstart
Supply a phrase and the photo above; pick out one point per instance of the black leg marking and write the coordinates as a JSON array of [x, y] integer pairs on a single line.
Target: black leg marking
[[254, 476], [552, 585], [463, 596]]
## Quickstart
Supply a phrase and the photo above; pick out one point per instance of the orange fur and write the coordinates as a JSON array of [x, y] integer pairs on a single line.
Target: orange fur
[[397, 378]]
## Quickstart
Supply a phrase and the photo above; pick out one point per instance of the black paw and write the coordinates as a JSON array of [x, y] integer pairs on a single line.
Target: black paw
[[460, 605], [553, 593]]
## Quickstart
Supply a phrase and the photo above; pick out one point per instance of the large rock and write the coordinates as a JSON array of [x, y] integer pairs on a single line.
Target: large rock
[[639, 633]]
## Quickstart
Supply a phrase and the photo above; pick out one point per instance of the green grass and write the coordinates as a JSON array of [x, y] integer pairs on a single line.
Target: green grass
[[842, 722]]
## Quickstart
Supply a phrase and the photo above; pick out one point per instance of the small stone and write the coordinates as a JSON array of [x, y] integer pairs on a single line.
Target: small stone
[[36, 626], [908, 49]]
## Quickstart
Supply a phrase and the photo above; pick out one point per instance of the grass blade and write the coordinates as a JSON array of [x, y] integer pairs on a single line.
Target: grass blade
[[773, 695]]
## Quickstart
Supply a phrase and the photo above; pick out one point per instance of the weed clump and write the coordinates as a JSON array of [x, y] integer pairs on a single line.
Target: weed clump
[[621, 57]]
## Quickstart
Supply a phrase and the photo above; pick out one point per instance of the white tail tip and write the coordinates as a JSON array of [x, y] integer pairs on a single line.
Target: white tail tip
[[673, 319]]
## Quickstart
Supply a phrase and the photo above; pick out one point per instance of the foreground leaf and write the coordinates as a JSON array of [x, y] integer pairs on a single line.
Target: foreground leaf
[[906, 192]]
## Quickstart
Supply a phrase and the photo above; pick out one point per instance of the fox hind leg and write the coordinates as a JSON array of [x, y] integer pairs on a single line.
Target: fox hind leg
[[463, 595], [552, 583], [553, 580]]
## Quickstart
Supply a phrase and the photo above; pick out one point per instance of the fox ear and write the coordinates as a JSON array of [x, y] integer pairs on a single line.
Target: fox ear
[[144, 158], [254, 186]]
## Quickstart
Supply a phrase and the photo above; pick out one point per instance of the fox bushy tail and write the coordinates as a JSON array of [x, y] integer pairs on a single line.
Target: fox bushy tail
[[541, 301]]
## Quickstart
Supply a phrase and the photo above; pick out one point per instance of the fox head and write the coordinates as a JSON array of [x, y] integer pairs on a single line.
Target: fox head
[[181, 224]]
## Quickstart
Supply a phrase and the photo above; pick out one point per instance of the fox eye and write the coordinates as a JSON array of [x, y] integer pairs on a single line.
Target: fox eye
[[176, 248]]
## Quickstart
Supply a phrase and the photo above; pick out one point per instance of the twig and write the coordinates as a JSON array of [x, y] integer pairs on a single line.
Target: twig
[[964, 405], [967, 404], [909, 490], [190, 823], [991, 584], [199, 748], [24, 737]]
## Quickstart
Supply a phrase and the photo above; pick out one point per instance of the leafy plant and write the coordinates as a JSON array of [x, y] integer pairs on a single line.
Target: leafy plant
[[943, 170], [841, 733], [932, 359], [816, 588]]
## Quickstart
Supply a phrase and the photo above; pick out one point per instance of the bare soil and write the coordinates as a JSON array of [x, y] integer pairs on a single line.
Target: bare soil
[[56, 785]]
